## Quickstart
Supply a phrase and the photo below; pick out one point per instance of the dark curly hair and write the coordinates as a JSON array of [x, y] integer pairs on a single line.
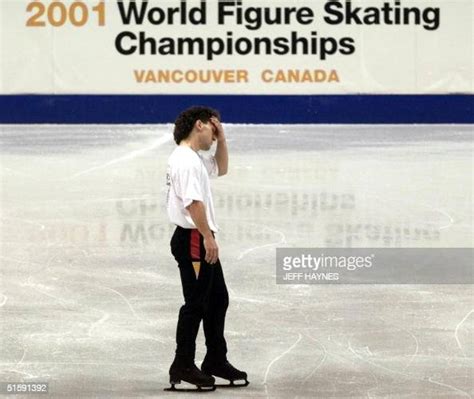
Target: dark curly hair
[[185, 121]]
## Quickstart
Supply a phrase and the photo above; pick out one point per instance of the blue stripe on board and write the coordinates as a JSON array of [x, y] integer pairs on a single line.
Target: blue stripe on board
[[286, 109]]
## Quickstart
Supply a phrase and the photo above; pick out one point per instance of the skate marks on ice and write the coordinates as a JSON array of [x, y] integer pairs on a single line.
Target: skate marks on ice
[[371, 362], [3, 300], [79, 323], [331, 342], [84, 311], [131, 155], [458, 328], [267, 371], [366, 356], [282, 241]]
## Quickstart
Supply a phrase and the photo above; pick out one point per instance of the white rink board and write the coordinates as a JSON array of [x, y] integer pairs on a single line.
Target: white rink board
[[386, 58]]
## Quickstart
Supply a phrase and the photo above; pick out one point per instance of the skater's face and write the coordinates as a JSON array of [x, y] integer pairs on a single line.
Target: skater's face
[[207, 134]]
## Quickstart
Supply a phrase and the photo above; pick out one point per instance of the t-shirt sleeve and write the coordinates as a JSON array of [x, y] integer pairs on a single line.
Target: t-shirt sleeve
[[211, 165], [187, 183]]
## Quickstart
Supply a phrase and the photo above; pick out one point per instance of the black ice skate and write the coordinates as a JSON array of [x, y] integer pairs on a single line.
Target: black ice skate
[[226, 371], [192, 375]]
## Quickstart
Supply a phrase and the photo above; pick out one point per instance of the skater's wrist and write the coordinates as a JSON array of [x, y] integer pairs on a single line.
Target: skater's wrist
[[207, 235]]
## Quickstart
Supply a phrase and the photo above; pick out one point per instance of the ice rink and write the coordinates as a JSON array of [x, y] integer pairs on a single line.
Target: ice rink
[[89, 292]]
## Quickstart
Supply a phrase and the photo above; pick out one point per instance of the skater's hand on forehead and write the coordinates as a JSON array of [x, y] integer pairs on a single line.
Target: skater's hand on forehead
[[218, 129]]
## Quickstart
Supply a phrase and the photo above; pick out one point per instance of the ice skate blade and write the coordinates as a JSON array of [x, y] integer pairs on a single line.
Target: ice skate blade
[[232, 384], [197, 389]]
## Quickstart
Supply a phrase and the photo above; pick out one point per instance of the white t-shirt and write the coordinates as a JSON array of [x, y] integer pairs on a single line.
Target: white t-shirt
[[188, 179]]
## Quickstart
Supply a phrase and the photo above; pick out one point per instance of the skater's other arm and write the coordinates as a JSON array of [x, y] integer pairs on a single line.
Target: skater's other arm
[[221, 155], [198, 215]]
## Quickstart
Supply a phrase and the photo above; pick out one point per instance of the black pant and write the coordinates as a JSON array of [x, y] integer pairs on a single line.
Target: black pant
[[205, 298]]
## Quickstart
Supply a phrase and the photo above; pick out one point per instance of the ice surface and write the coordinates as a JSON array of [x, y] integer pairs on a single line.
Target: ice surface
[[89, 293]]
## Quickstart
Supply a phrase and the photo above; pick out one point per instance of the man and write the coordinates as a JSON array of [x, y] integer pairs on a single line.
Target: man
[[193, 245]]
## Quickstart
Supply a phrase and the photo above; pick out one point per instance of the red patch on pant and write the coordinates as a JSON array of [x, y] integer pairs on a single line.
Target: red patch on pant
[[195, 246]]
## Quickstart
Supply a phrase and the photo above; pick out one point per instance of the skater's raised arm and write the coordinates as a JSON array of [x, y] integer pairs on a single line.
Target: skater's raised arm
[[198, 215], [221, 155]]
